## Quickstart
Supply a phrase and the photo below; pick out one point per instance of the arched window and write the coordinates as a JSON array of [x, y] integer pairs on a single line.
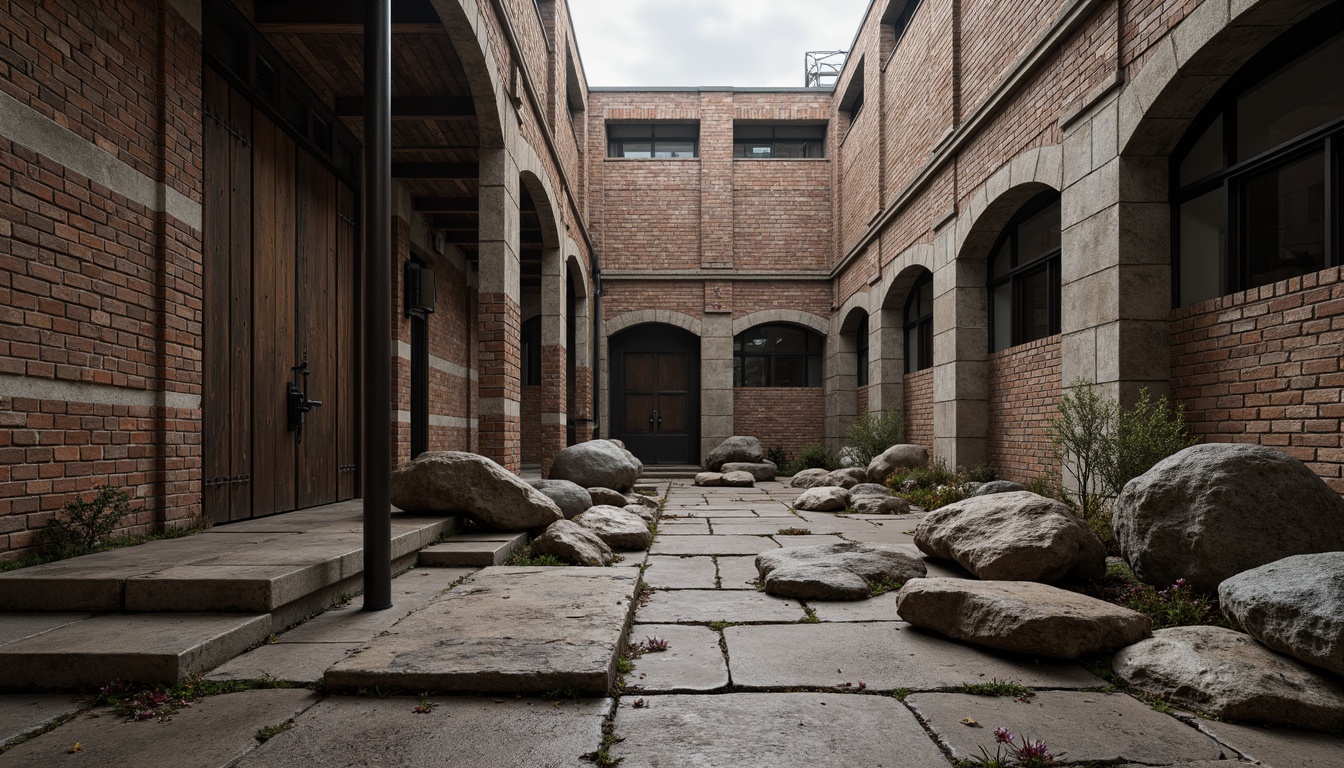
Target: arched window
[[1024, 275], [1256, 181], [919, 325], [777, 356], [861, 350]]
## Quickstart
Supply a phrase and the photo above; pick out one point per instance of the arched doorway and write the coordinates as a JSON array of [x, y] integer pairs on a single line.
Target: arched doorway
[[655, 385]]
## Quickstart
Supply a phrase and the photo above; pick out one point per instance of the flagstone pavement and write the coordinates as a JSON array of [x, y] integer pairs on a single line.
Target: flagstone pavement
[[746, 679]]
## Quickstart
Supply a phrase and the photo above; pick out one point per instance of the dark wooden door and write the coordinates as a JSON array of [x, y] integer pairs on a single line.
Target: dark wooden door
[[280, 275], [655, 394]]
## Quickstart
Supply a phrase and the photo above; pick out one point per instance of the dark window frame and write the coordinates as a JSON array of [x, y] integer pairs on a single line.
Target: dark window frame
[[810, 145], [1231, 179], [861, 351], [529, 357], [895, 24], [814, 348], [616, 145], [919, 320], [1018, 272]]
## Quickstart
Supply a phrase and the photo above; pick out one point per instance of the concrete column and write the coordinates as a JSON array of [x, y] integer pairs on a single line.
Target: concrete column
[[886, 361], [839, 385], [581, 395], [716, 381], [960, 349], [498, 311], [554, 357], [1116, 264]]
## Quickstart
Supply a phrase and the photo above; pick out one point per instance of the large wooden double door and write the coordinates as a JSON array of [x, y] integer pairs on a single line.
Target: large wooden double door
[[280, 270], [655, 389]]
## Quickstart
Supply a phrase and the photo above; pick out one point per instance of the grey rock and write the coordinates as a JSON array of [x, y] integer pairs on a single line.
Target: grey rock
[[618, 528], [597, 464], [1294, 606], [849, 456], [873, 504], [641, 500], [896, 457], [1015, 536], [806, 478], [846, 571], [738, 480], [760, 470], [709, 479], [644, 513], [998, 486], [607, 496], [736, 448], [1213, 511], [572, 498], [822, 499], [1020, 616], [572, 543], [618, 443], [869, 489], [843, 478], [1229, 675], [452, 481]]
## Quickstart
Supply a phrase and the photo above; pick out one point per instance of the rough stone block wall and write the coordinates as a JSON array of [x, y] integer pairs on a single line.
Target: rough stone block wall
[[781, 417], [1263, 366], [1024, 390], [919, 408]]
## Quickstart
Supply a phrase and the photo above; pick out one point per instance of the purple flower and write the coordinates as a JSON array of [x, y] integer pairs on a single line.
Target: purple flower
[[1002, 736]]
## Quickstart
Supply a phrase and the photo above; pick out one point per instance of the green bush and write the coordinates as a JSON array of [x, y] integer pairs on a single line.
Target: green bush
[[982, 473], [817, 456], [1142, 436], [935, 485], [778, 455], [85, 526], [872, 433]]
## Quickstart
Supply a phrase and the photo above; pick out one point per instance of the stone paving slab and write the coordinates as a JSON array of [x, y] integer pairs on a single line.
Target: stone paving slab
[[213, 733], [1279, 747], [711, 545], [17, 626], [807, 540], [246, 588], [684, 527], [701, 606], [344, 732], [783, 730], [505, 629], [1079, 726], [291, 662], [885, 656], [667, 572], [880, 608], [472, 550], [738, 572], [150, 648], [693, 512], [692, 662], [22, 713], [755, 526], [891, 537], [351, 624]]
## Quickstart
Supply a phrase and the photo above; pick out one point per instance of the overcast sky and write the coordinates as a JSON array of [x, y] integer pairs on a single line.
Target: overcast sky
[[708, 42]]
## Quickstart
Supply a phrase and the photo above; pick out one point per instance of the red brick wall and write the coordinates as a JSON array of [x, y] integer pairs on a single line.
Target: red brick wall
[[1024, 389], [919, 408], [781, 417], [1263, 366]]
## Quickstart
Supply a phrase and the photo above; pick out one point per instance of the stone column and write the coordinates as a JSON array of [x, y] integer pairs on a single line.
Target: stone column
[[498, 313], [716, 381], [581, 396], [960, 349], [839, 385], [554, 357], [886, 361]]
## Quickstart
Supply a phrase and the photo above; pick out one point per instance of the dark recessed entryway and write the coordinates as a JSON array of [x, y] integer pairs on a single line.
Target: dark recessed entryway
[[655, 393]]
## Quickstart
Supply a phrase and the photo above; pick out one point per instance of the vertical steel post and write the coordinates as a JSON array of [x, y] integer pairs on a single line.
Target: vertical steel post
[[378, 305]]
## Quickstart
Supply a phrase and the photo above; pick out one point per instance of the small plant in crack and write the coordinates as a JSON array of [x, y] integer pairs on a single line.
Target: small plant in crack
[[425, 706], [271, 731], [882, 586], [655, 645], [899, 694], [1032, 753], [997, 687], [810, 617], [794, 532], [719, 626]]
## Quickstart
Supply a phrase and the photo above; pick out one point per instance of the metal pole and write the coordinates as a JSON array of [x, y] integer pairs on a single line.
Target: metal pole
[[378, 305]]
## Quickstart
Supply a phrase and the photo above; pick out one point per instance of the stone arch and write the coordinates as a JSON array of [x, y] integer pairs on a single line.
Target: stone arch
[[471, 41], [793, 316], [539, 189], [852, 318], [614, 325]]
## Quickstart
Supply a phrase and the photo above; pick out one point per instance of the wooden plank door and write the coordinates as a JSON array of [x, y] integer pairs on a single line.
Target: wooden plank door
[[347, 346], [316, 332]]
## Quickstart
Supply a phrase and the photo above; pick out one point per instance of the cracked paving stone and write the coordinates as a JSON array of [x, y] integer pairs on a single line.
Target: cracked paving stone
[[1279, 747], [700, 606], [711, 545], [692, 662]]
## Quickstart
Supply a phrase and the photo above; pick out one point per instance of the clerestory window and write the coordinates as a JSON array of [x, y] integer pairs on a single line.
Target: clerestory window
[[653, 140]]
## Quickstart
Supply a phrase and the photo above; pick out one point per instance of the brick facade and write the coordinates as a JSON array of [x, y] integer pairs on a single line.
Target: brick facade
[[1023, 393], [919, 408], [781, 417]]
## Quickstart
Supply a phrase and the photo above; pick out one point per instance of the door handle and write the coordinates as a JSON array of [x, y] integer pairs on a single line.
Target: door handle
[[298, 401], [654, 419]]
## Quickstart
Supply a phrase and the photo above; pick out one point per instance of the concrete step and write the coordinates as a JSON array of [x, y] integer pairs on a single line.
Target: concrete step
[[472, 550], [505, 630], [89, 651]]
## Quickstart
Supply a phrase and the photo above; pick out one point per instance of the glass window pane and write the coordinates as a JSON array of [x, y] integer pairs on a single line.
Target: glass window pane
[[790, 370], [790, 149], [675, 131], [751, 132], [1202, 262], [1033, 306], [627, 131], [926, 298], [754, 371], [788, 339], [1003, 316], [1303, 95], [926, 344], [813, 371], [912, 349], [1002, 263], [800, 131], [1038, 235], [1283, 221], [664, 148], [634, 149], [753, 149], [1206, 156]]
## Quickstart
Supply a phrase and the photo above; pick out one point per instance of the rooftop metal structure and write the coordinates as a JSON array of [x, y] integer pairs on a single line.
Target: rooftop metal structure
[[821, 69]]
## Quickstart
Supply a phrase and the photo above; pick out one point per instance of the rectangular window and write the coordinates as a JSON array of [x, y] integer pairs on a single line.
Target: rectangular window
[[653, 140], [779, 142]]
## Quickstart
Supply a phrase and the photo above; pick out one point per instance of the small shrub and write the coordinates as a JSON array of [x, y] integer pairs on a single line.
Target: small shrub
[[1031, 753], [997, 687], [934, 485], [982, 473], [778, 455], [1143, 435], [1175, 606], [817, 456], [526, 558], [86, 525], [1080, 438], [872, 433]]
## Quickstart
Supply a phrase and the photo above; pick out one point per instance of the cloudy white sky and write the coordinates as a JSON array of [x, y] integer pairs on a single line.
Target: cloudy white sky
[[708, 42]]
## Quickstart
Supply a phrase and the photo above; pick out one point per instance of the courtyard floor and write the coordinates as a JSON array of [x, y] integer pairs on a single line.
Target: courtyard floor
[[745, 680]]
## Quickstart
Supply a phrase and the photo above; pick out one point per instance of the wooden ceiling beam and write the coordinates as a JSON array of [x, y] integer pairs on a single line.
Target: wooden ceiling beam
[[341, 16], [436, 171], [412, 107], [447, 205]]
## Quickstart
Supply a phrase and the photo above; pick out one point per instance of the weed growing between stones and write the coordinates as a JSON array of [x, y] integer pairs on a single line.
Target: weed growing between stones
[[794, 532], [602, 757], [526, 558], [1175, 606], [899, 694], [159, 702], [425, 706], [997, 687], [936, 485], [271, 731], [882, 586], [719, 626], [561, 694], [810, 617], [1031, 754]]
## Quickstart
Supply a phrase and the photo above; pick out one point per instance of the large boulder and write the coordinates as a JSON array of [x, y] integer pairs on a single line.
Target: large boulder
[[620, 529], [846, 571], [572, 543], [806, 478], [843, 478], [597, 464], [1213, 511], [641, 500], [822, 499], [760, 470], [607, 496], [646, 514], [738, 480], [1294, 606], [709, 479], [998, 486], [572, 499], [447, 482], [873, 504], [894, 458], [736, 448], [1229, 675], [1013, 537], [1020, 616]]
